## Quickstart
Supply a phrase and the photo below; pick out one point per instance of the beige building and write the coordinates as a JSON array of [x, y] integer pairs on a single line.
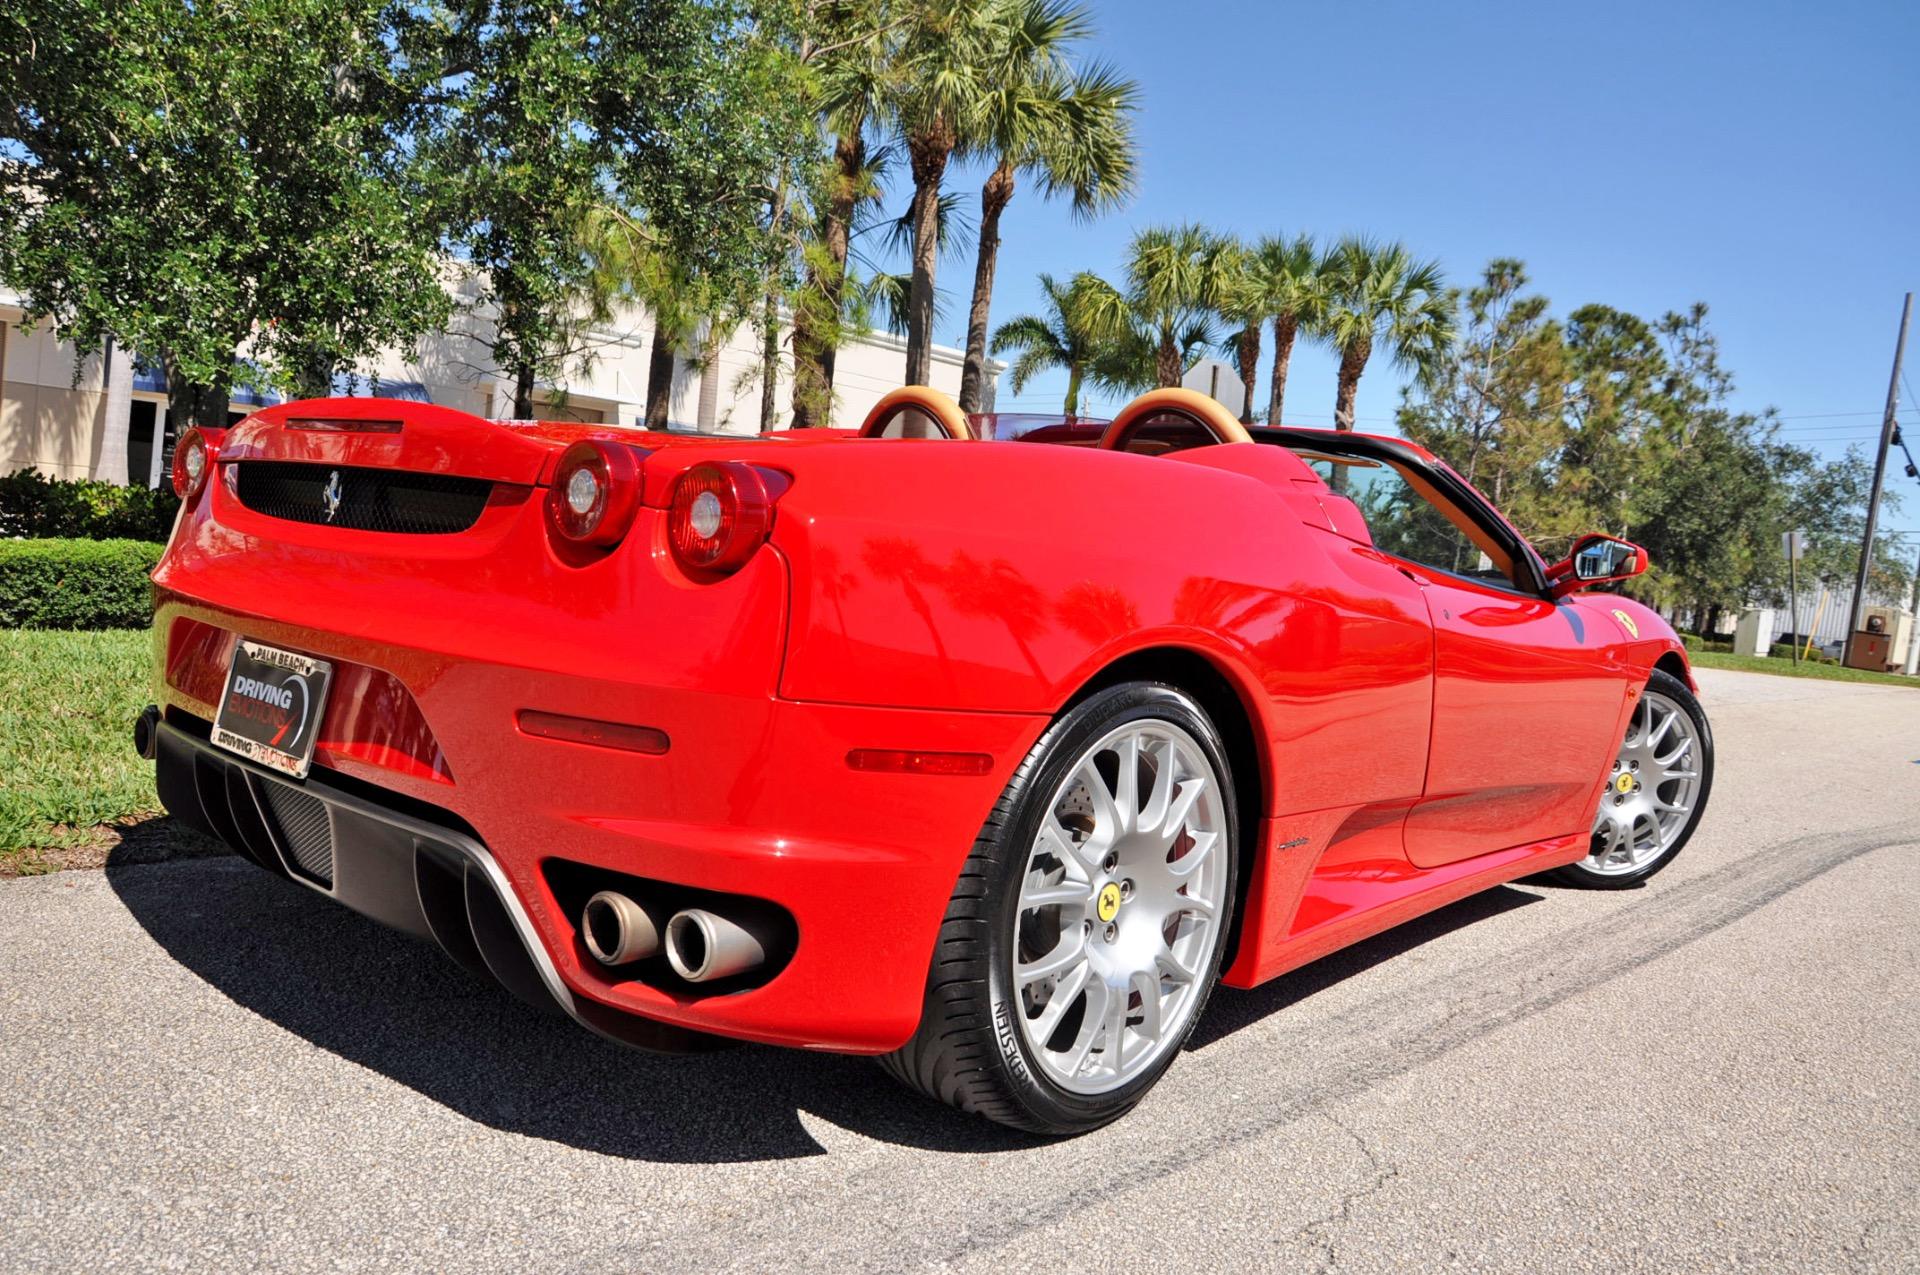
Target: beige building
[[103, 417]]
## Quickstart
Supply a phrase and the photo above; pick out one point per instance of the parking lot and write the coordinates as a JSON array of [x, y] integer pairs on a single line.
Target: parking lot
[[208, 1068]]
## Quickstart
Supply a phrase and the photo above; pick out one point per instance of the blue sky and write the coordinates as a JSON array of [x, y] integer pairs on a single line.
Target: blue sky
[[1761, 157]]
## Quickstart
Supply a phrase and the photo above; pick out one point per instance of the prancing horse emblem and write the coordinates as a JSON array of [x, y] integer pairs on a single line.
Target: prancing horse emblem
[[332, 494]]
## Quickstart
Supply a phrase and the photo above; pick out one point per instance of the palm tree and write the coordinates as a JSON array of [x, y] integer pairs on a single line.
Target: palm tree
[[1245, 306], [1294, 296], [690, 316], [856, 47], [1177, 279], [1073, 131], [1379, 295], [936, 99], [1068, 336], [1127, 359]]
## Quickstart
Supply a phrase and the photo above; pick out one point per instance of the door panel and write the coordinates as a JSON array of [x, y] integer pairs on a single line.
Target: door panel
[[1525, 709]]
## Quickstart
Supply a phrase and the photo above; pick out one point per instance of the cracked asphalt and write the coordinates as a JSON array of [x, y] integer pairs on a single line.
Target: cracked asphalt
[[208, 1069]]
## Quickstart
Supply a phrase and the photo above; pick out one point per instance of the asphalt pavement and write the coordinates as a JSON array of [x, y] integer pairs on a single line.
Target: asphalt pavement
[[206, 1068]]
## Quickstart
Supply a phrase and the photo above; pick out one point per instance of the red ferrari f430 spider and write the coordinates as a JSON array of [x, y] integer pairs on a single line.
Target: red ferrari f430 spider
[[983, 747]]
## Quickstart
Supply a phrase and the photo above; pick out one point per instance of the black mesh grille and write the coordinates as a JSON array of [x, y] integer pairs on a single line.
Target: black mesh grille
[[367, 499], [305, 830]]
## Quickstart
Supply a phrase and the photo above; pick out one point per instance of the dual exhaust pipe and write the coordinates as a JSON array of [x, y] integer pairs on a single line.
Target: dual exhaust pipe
[[701, 945]]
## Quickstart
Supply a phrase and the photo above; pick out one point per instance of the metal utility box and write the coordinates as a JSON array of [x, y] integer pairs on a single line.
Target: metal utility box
[[1896, 624], [1869, 650], [1753, 635]]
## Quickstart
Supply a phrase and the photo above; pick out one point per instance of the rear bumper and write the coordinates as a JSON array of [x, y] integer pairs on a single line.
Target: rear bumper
[[408, 872], [754, 799]]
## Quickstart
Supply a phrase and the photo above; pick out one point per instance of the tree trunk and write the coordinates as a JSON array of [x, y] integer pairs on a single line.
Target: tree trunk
[[929, 152], [314, 379], [1073, 390], [994, 196], [816, 325], [1285, 328], [1168, 366], [189, 405], [1249, 368], [523, 392], [1353, 361], [659, 379]]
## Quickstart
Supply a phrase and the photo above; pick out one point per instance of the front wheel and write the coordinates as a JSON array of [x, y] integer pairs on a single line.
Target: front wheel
[[1656, 790], [1088, 924]]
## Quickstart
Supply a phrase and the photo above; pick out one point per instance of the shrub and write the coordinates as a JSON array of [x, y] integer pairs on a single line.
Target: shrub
[[76, 584], [35, 506]]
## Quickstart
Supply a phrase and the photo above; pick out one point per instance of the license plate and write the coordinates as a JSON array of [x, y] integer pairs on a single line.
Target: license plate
[[272, 708]]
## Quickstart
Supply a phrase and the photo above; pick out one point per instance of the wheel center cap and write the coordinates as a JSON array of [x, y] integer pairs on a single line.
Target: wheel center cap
[[1107, 905], [1624, 784]]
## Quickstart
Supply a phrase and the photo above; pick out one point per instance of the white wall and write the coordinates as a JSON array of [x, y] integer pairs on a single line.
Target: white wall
[[53, 423], [50, 419]]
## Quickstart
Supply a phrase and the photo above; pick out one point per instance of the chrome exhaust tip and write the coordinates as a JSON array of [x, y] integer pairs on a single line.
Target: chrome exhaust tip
[[703, 945], [616, 930], [146, 732]]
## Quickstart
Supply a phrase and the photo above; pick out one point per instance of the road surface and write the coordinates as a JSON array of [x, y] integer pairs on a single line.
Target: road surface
[[207, 1068]]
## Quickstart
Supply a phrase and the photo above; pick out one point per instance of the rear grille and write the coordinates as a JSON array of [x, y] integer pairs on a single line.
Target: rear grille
[[305, 830], [364, 499]]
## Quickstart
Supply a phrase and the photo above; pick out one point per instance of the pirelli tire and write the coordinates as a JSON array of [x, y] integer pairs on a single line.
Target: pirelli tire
[[1088, 925]]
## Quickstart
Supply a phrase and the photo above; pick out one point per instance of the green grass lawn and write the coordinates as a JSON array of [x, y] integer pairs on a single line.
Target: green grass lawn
[[67, 765], [1782, 667]]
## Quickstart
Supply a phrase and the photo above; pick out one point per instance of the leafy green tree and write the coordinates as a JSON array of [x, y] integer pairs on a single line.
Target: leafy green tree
[[196, 181], [1067, 337], [1378, 295], [1494, 404], [685, 112], [1069, 129]]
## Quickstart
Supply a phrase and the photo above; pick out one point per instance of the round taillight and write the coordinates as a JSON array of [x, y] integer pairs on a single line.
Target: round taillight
[[720, 514], [192, 458], [595, 491]]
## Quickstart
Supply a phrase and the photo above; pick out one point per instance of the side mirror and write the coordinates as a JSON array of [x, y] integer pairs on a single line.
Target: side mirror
[[1596, 559]]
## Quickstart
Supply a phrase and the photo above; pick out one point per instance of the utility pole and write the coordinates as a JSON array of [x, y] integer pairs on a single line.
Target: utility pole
[[1792, 539], [1879, 478]]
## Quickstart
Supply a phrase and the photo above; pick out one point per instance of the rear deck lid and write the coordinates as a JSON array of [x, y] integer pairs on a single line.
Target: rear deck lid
[[390, 434]]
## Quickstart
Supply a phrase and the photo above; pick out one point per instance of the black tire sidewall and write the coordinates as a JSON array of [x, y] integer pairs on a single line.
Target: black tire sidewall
[[1056, 752]]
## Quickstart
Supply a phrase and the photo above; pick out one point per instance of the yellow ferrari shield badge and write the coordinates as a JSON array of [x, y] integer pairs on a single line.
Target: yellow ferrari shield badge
[[1624, 784], [1626, 622], [1109, 902]]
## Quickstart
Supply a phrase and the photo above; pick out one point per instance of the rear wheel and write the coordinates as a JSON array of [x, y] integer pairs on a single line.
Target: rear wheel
[[1087, 928], [1656, 790]]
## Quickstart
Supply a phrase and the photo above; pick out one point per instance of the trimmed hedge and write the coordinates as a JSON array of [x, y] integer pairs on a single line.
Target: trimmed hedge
[[76, 584], [35, 506]]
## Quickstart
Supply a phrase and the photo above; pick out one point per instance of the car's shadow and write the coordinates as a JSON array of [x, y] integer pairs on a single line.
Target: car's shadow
[[397, 1006]]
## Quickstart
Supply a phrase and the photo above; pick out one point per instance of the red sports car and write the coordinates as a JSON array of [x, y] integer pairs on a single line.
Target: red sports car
[[987, 756]]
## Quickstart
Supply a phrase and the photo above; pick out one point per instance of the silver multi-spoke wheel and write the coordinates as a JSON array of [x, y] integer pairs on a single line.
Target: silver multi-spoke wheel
[[1121, 908], [1652, 790], [1088, 924]]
